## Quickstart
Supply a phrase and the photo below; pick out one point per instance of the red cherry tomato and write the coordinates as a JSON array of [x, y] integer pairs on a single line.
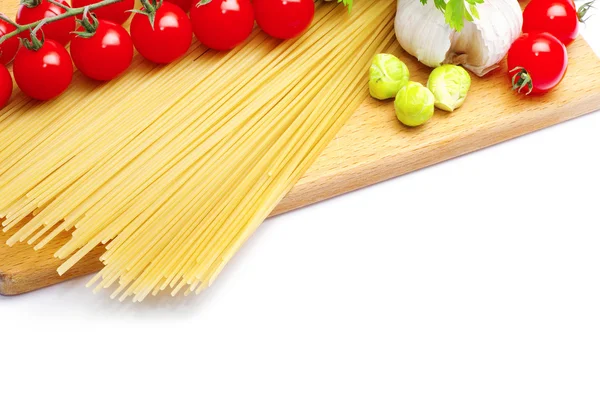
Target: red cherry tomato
[[116, 12], [106, 54], [284, 19], [557, 17], [222, 24], [170, 37], [185, 5], [60, 30], [45, 73], [6, 86], [8, 48], [537, 63]]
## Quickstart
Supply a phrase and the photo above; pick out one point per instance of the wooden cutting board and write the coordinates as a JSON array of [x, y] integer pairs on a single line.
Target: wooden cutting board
[[374, 146]]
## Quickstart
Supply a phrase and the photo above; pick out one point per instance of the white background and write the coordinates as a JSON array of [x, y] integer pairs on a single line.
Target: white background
[[476, 281]]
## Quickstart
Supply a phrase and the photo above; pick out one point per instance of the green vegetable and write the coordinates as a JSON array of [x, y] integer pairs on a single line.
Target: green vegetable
[[347, 3], [450, 85], [387, 75], [414, 104], [457, 11]]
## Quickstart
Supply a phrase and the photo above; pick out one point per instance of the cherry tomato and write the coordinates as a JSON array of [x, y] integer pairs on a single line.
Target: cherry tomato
[[8, 49], [222, 24], [537, 63], [6, 86], [44, 73], [557, 17], [116, 12], [185, 5], [284, 19], [106, 54], [60, 30], [170, 37]]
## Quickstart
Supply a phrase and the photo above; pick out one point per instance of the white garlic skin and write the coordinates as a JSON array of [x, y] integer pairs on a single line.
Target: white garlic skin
[[481, 45]]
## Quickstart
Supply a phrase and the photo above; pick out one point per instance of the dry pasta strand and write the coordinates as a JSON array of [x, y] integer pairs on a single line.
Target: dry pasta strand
[[174, 184]]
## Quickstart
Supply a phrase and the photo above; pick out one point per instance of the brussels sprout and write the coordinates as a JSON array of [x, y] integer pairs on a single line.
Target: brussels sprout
[[450, 85], [414, 104], [388, 74]]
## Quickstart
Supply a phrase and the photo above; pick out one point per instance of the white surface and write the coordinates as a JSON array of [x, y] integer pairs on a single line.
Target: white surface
[[473, 282]]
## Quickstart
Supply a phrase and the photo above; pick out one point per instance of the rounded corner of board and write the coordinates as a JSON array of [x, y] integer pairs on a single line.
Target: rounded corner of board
[[7, 286]]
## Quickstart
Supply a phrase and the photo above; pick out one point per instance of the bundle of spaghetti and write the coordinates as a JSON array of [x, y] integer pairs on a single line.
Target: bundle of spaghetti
[[173, 195]]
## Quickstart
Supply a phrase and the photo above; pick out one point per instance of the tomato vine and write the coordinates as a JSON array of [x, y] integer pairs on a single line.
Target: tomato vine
[[35, 26]]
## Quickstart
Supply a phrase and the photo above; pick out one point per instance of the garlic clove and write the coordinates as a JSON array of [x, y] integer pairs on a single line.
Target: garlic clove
[[422, 31], [481, 45], [492, 34]]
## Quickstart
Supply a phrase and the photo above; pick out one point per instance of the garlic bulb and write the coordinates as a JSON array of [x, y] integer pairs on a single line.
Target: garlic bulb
[[480, 46]]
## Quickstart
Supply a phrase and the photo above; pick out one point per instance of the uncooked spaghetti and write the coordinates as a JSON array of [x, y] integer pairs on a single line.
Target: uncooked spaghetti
[[173, 184]]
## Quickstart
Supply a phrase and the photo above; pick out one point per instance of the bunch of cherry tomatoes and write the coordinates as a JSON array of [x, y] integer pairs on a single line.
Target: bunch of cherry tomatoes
[[161, 32], [538, 59]]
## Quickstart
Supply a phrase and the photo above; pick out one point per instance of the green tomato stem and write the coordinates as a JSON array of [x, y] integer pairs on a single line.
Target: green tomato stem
[[31, 3], [69, 12], [583, 10], [90, 23], [521, 79], [34, 43], [56, 3], [8, 20]]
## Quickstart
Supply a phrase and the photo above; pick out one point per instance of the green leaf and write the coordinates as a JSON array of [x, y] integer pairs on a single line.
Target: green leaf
[[457, 11], [348, 3], [455, 14], [439, 4], [474, 11]]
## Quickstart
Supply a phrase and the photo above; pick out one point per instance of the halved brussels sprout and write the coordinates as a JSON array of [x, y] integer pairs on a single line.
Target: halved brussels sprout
[[450, 85], [388, 74], [414, 104]]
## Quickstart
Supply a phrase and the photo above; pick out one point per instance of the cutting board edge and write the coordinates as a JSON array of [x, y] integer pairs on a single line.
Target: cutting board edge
[[5, 285], [12, 284], [342, 180], [397, 165], [337, 184]]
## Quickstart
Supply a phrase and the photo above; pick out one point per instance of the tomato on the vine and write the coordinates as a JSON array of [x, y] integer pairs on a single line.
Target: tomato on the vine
[[222, 24], [6, 86], [103, 54], [31, 11], [284, 19], [185, 5], [170, 37], [43, 73], [116, 12], [8, 48], [557, 17], [537, 63]]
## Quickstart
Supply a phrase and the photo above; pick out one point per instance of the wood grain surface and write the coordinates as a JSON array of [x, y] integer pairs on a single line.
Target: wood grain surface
[[374, 146]]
